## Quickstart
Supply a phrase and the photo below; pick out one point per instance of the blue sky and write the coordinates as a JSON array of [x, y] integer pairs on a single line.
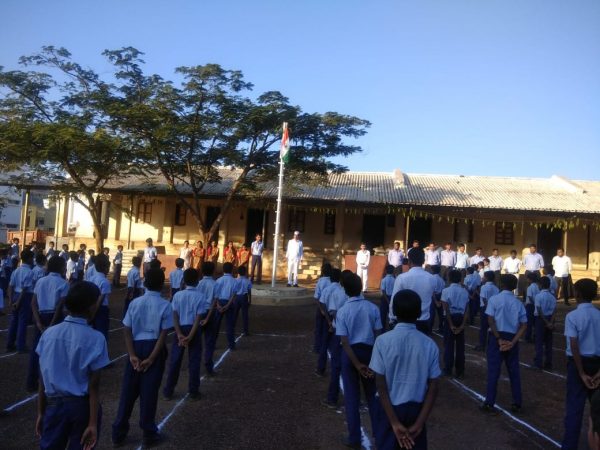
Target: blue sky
[[507, 88]]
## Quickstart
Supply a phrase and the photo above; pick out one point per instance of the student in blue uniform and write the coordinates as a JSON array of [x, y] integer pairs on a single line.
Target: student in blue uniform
[[81, 263], [455, 299], [64, 253], [117, 265], [486, 291], [545, 308], [188, 307], [90, 268], [508, 321], [146, 323], [243, 298], [20, 291], [473, 282], [320, 322], [47, 307], [437, 308], [327, 334], [134, 283], [72, 272], [176, 277], [357, 323], [549, 272], [386, 287], [39, 270], [71, 355], [5, 271], [582, 332], [206, 287], [405, 354], [102, 317], [532, 290], [51, 250]]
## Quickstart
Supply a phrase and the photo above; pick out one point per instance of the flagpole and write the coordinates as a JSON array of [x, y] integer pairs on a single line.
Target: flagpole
[[278, 217]]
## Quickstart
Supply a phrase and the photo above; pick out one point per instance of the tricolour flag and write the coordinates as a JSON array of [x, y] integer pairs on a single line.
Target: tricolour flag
[[285, 144]]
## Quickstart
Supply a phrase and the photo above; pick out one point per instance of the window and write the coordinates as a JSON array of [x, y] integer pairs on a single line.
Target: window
[[463, 232], [144, 212], [212, 212], [505, 234], [296, 220], [180, 214], [329, 227]]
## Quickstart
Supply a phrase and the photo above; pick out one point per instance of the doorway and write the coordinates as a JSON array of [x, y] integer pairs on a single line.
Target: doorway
[[257, 222], [548, 241], [420, 230], [373, 232]]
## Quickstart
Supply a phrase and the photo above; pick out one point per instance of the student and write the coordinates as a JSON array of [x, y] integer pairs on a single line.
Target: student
[[387, 287], [71, 355], [532, 290], [483, 267], [363, 258], [90, 270], [14, 252], [512, 266], [447, 260], [436, 305], [146, 323], [206, 287], [5, 271], [176, 277], [72, 273], [117, 266], [102, 317], [64, 253], [47, 304], [432, 257], [545, 309], [51, 251], [472, 283], [549, 272], [594, 422], [80, 264], [455, 299], [134, 283], [582, 332], [243, 298], [405, 354], [39, 270], [508, 320], [487, 291], [20, 291], [357, 323], [188, 307], [477, 257], [320, 324]]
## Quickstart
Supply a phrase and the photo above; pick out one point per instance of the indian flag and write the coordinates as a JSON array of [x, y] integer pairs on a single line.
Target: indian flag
[[285, 144]]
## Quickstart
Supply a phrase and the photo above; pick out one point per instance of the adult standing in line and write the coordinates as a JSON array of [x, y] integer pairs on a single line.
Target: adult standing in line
[[534, 263], [512, 266], [363, 258], [432, 258], [462, 260], [150, 255], [230, 254], [186, 254], [447, 260], [212, 253], [415, 244], [198, 254], [294, 253], [396, 258], [496, 263], [563, 266], [256, 250]]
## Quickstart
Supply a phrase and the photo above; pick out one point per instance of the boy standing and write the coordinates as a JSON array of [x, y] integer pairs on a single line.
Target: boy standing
[[257, 252], [472, 283], [117, 266], [447, 260], [150, 254], [20, 291], [72, 272], [243, 298], [455, 299], [51, 251], [386, 287], [101, 319], [320, 325], [206, 287], [487, 291], [64, 253], [532, 290], [545, 308], [39, 270], [176, 277], [134, 282]]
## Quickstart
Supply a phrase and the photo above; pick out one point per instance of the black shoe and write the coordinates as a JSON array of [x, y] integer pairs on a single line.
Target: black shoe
[[295, 285], [151, 440], [195, 396], [288, 285], [356, 445], [548, 367], [488, 409], [515, 408], [32, 388], [329, 404]]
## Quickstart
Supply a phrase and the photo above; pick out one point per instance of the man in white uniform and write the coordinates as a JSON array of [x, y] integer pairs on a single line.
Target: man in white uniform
[[294, 253], [150, 255], [512, 265], [562, 266], [363, 257]]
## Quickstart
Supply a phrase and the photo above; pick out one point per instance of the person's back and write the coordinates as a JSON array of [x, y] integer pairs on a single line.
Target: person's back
[[507, 309], [146, 313]]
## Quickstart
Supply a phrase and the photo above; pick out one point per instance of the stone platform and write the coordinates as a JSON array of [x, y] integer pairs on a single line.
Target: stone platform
[[281, 295]]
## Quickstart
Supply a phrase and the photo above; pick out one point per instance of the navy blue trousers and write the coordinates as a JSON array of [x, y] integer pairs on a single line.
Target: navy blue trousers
[[241, 304], [384, 311], [173, 292], [529, 309], [136, 293], [326, 337], [577, 393], [454, 347], [484, 326], [352, 382], [335, 350], [494, 362], [441, 319], [102, 321], [33, 372], [473, 307], [20, 319], [65, 420], [319, 319], [407, 414], [213, 333], [194, 358], [117, 275], [144, 385], [543, 341]]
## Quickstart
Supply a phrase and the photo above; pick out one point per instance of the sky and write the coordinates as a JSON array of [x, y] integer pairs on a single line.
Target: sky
[[495, 87]]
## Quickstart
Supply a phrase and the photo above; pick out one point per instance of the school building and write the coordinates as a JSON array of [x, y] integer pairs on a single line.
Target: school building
[[353, 207]]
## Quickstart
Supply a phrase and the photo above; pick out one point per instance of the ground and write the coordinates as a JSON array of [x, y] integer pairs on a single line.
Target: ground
[[265, 396]]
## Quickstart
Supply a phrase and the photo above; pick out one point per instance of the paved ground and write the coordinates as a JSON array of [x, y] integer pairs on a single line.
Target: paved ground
[[265, 396]]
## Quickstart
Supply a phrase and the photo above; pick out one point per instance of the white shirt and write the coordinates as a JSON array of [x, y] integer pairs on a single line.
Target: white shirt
[[562, 266], [512, 265], [149, 254], [295, 250], [363, 257], [420, 281]]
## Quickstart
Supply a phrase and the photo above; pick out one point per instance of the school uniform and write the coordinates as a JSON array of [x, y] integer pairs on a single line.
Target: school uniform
[[434, 309], [80, 267], [545, 301], [21, 280], [147, 317], [476, 259], [404, 354], [462, 262], [472, 283], [422, 283], [582, 324], [243, 291], [48, 292], [64, 255], [532, 291], [553, 284], [5, 272], [457, 299], [72, 273], [176, 280], [387, 287], [325, 299], [320, 322], [363, 258], [448, 262], [37, 273], [487, 291], [117, 266], [256, 249], [101, 320], [563, 266], [206, 287], [50, 253], [134, 285], [333, 299], [359, 321], [90, 272], [188, 304], [432, 259], [68, 353], [224, 290], [509, 314]]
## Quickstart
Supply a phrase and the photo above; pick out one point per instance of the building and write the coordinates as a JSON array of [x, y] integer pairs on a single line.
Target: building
[[41, 213]]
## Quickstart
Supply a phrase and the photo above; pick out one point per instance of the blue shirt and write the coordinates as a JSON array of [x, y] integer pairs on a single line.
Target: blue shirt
[[448, 258], [188, 304], [50, 253], [134, 280], [64, 255], [176, 278], [533, 261], [333, 297], [462, 260], [456, 297], [507, 311], [99, 279], [206, 286], [553, 284], [118, 258], [487, 291], [322, 283], [68, 353], [37, 273], [584, 325], [21, 279], [408, 360], [387, 285], [358, 320], [148, 315], [546, 301], [49, 290], [225, 287], [90, 273], [532, 290], [243, 286], [472, 281], [420, 281]]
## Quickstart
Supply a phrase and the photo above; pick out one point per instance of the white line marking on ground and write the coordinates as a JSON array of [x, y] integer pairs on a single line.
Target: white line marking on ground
[[22, 402], [115, 329]]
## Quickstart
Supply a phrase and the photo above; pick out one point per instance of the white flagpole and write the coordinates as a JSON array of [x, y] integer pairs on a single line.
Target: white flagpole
[[278, 218]]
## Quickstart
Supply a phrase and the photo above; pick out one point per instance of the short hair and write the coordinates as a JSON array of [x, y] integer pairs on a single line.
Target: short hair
[[389, 269], [416, 241], [119, 247], [480, 264], [227, 267], [106, 249], [82, 296], [454, 276], [352, 285], [149, 241], [513, 251], [136, 261], [561, 249], [489, 275], [155, 264], [479, 248], [27, 255], [508, 282], [470, 270], [417, 256], [345, 275], [407, 306], [326, 270], [190, 277], [533, 277], [73, 255], [154, 279], [532, 245], [586, 288], [448, 243], [544, 282], [461, 245], [549, 270], [65, 246], [495, 250], [92, 261], [208, 268], [486, 260], [179, 262], [102, 263], [56, 264], [242, 271], [91, 251], [40, 259], [335, 276], [51, 243]]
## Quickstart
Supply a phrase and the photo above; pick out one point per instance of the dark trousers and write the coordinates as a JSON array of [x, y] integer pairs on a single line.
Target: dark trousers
[[352, 382], [33, 372], [117, 275], [144, 385], [326, 337], [454, 347], [407, 414], [529, 309], [319, 319], [194, 357], [430, 268], [242, 304], [543, 341], [577, 393], [65, 420], [384, 311], [256, 268], [215, 327], [441, 319], [136, 293], [497, 274], [564, 287], [20, 319], [424, 326], [335, 350], [473, 307], [484, 326], [494, 362], [444, 271], [102, 321]]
